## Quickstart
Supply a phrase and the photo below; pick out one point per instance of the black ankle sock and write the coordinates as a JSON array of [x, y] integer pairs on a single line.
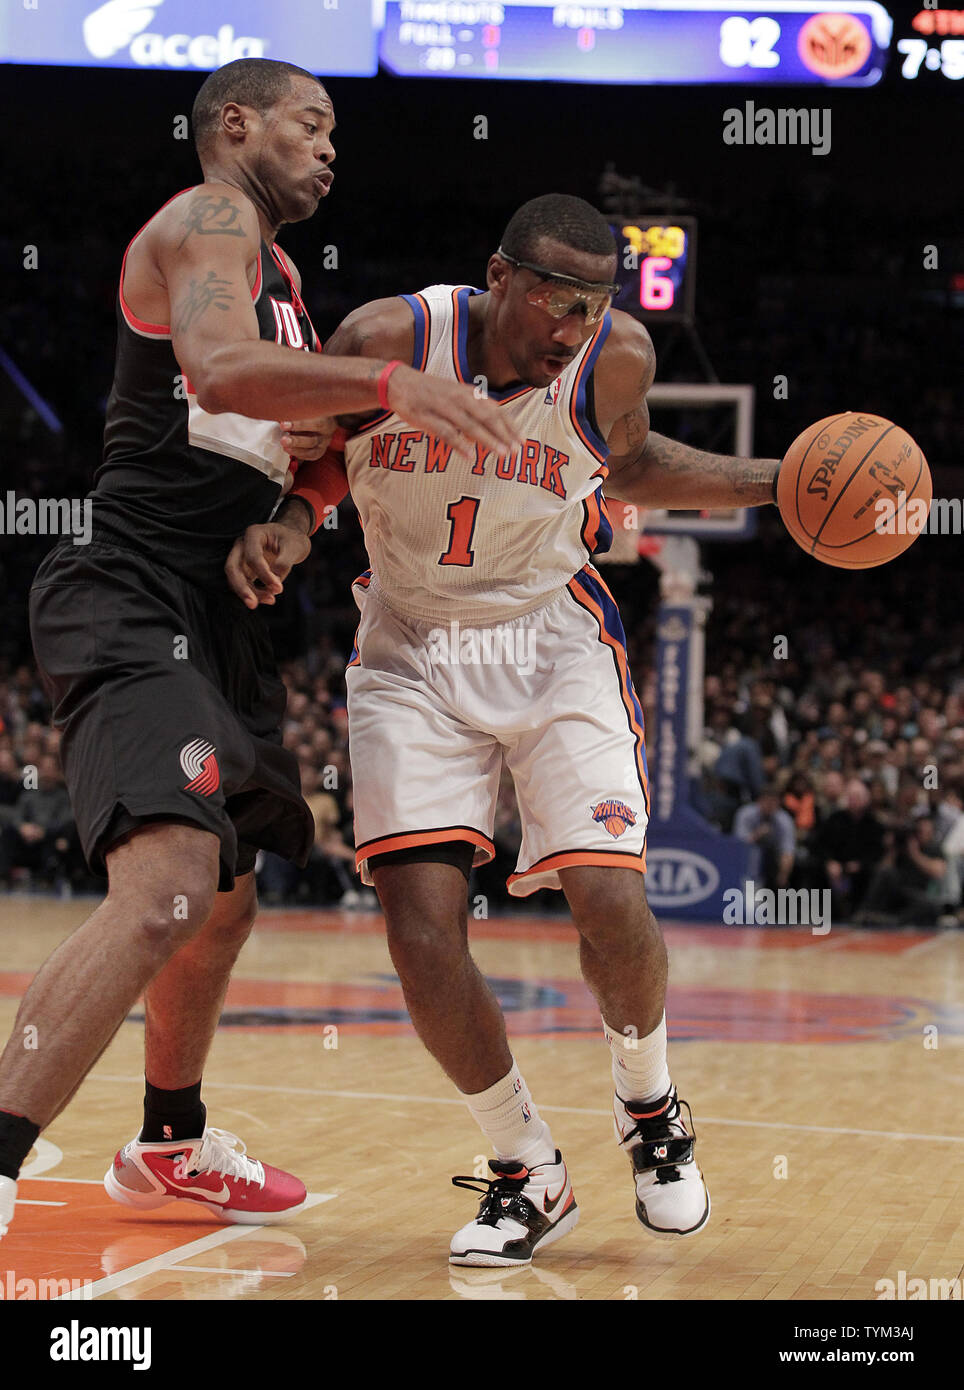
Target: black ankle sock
[[17, 1138], [172, 1115]]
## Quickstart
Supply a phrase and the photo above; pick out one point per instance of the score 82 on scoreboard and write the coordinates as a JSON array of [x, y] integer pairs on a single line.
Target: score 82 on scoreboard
[[657, 269], [820, 42]]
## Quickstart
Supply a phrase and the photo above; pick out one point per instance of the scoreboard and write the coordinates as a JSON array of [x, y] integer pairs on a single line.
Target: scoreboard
[[640, 41], [837, 43]]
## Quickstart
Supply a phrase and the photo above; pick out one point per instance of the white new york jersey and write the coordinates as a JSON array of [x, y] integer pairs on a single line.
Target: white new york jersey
[[490, 538]]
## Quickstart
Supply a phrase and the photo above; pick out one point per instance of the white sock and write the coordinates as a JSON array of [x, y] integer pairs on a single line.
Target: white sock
[[639, 1064], [507, 1115]]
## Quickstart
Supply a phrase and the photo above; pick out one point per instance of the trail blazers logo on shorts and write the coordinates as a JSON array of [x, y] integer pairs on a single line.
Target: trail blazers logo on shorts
[[616, 816], [199, 763]]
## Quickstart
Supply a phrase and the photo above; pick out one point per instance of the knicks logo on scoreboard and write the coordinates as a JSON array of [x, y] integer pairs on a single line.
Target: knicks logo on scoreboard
[[616, 816]]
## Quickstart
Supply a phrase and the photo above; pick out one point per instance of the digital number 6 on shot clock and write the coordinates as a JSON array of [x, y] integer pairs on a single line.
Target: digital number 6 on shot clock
[[655, 291]]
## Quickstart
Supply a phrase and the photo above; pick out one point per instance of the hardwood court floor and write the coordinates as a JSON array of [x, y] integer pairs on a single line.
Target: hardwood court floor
[[816, 1057]]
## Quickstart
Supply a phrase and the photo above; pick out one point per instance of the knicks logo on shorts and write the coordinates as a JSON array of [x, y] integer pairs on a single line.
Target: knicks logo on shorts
[[199, 763], [615, 816]]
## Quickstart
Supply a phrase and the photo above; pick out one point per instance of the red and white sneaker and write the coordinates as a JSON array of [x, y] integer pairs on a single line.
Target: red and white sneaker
[[522, 1210], [213, 1172]]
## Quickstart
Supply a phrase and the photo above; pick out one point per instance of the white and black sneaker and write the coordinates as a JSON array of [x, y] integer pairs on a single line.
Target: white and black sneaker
[[522, 1210], [671, 1196]]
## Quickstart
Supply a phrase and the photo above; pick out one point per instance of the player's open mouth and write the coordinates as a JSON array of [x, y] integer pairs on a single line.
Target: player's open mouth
[[557, 364], [322, 183]]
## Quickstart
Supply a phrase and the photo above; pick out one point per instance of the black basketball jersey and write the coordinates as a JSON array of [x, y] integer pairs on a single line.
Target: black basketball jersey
[[177, 482]]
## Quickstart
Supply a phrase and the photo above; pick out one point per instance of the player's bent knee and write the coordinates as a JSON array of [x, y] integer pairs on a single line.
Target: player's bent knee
[[159, 933], [166, 865], [621, 921], [426, 950]]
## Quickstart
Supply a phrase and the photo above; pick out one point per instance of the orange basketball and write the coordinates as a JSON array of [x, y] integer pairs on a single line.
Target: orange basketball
[[854, 490]]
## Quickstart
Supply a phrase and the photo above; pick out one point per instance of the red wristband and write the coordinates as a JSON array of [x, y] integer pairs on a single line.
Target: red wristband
[[383, 384]]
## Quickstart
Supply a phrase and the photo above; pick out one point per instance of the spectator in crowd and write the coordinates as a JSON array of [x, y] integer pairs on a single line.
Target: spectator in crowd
[[829, 795], [330, 871], [876, 764], [800, 802], [740, 774], [848, 844], [11, 784], [764, 824], [905, 886], [40, 835], [952, 848]]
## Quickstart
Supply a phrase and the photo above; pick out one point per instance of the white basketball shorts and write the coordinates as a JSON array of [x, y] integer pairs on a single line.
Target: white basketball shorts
[[433, 709]]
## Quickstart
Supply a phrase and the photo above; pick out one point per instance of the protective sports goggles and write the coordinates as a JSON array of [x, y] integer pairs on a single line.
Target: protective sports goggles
[[560, 294]]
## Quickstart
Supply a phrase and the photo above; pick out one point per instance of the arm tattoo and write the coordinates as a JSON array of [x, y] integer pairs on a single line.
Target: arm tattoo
[[350, 342], [210, 216], [211, 290], [637, 428], [742, 482]]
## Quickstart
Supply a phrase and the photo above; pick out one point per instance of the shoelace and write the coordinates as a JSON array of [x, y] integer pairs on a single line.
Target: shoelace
[[224, 1153], [494, 1190], [671, 1116]]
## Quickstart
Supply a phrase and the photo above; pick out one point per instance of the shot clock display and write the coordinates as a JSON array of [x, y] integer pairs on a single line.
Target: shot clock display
[[657, 268]]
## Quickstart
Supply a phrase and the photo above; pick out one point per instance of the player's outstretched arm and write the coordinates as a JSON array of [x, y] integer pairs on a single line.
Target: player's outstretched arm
[[203, 261], [648, 468], [383, 330]]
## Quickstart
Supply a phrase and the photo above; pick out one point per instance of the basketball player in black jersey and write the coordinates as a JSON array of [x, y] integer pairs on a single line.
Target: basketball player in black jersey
[[161, 680]]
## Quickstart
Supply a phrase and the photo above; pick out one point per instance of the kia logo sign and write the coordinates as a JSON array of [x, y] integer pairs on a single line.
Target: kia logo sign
[[679, 878]]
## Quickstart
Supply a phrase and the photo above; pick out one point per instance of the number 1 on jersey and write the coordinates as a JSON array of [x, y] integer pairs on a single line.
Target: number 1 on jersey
[[462, 516]]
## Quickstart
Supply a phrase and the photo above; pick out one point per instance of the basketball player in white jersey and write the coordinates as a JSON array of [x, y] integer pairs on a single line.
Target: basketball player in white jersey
[[487, 635]]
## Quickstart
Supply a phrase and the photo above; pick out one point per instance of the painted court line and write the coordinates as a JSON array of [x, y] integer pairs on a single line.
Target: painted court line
[[93, 1182], [174, 1257], [152, 1266], [923, 946], [555, 1109], [213, 1269]]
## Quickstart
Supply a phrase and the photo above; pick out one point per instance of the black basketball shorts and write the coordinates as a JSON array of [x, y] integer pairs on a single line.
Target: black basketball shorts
[[170, 706]]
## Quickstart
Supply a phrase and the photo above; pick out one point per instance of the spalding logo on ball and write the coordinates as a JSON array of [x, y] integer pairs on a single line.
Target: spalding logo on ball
[[854, 490]]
